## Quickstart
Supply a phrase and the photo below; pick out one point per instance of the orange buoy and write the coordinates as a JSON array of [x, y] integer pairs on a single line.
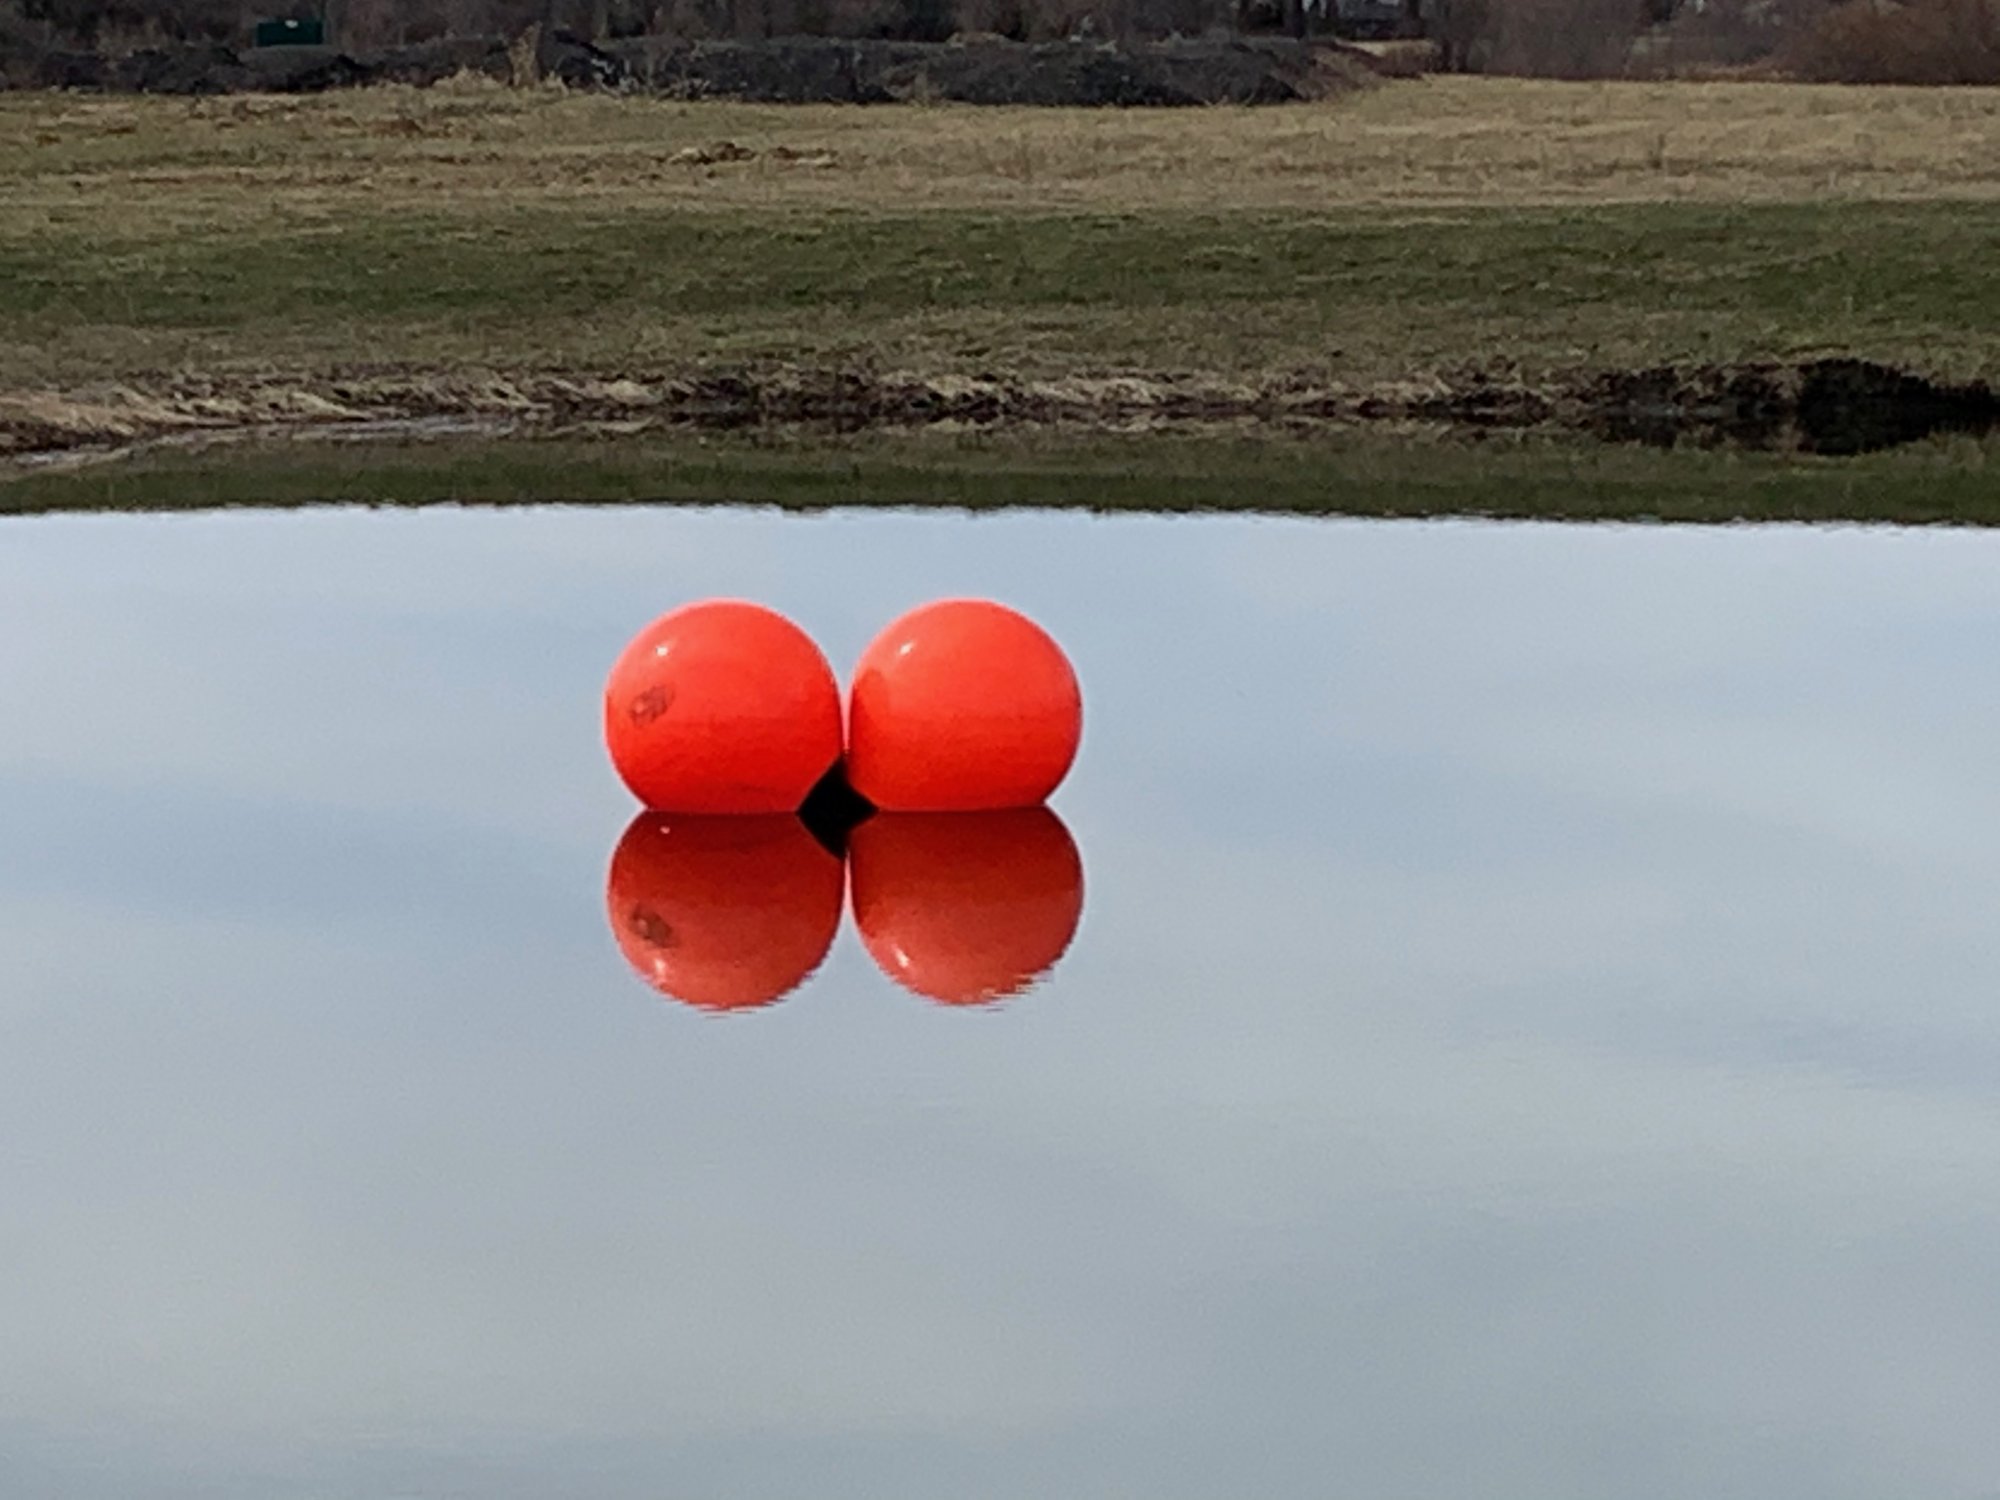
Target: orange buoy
[[962, 705], [722, 707], [723, 913], [966, 908]]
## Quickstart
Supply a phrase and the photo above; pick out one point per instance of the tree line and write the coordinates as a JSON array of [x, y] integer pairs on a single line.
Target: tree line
[[1914, 41]]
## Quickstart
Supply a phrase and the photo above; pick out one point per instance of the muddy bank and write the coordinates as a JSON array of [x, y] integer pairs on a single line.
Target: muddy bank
[[1826, 407], [797, 70], [1833, 406]]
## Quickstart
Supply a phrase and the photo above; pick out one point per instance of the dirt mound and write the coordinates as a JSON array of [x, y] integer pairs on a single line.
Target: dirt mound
[[796, 70], [993, 71], [207, 69]]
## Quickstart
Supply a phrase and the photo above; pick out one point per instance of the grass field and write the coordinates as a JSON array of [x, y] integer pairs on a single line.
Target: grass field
[[1434, 142], [1382, 237]]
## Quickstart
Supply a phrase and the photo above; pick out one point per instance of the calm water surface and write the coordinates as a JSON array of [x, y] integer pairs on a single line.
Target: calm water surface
[[1534, 1029]]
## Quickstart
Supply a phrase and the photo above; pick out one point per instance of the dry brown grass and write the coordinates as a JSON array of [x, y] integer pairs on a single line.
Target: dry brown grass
[[152, 163]]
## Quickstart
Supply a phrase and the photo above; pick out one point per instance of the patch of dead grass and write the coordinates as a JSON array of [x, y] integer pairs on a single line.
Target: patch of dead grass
[[1427, 143]]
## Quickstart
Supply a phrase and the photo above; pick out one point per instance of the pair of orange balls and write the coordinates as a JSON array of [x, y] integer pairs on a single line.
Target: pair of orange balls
[[962, 705]]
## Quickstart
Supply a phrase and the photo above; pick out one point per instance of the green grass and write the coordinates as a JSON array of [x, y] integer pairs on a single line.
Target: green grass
[[1945, 482], [1370, 295]]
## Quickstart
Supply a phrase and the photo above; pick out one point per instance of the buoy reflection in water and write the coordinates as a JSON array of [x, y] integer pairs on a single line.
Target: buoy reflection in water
[[723, 913], [966, 908]]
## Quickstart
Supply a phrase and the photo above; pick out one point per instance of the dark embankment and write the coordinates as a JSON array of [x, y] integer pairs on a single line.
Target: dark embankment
[[1835, 407], [794, 70], [1826, 407], [1831, 406]]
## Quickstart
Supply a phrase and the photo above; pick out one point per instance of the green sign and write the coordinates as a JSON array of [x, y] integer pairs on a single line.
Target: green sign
[[291, 33]]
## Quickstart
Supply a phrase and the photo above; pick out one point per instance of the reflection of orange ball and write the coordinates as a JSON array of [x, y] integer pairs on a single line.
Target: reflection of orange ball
[[966, 907], [962, 705], [722, 707], [724, 913]]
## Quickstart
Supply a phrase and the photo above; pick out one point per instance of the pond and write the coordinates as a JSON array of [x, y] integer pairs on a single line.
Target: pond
[[1530, 1032]]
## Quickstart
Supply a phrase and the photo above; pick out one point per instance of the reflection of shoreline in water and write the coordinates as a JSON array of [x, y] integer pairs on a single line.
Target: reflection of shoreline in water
[[735, 913]]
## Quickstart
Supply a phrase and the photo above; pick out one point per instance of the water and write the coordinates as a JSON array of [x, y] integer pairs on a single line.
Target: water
[[1531, 1030]]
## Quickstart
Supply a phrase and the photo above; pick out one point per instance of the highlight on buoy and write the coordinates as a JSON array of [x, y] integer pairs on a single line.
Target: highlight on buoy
[[962, 705], [723, 913], [722, 707], [966, 908]]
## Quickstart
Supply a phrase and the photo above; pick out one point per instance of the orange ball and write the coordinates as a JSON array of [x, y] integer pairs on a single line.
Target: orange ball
[[723, 913], [722, 707], [966, 908], [959, 706]]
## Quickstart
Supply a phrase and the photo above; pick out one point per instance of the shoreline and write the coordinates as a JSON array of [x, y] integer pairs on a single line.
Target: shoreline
[[1831, 406], [1785, 272]]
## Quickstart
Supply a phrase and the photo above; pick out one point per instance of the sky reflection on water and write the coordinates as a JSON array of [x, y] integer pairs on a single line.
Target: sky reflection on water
[[1531, 1033]]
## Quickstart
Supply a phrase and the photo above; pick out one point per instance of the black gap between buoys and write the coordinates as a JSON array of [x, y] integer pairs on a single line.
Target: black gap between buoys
[[833, 810]]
